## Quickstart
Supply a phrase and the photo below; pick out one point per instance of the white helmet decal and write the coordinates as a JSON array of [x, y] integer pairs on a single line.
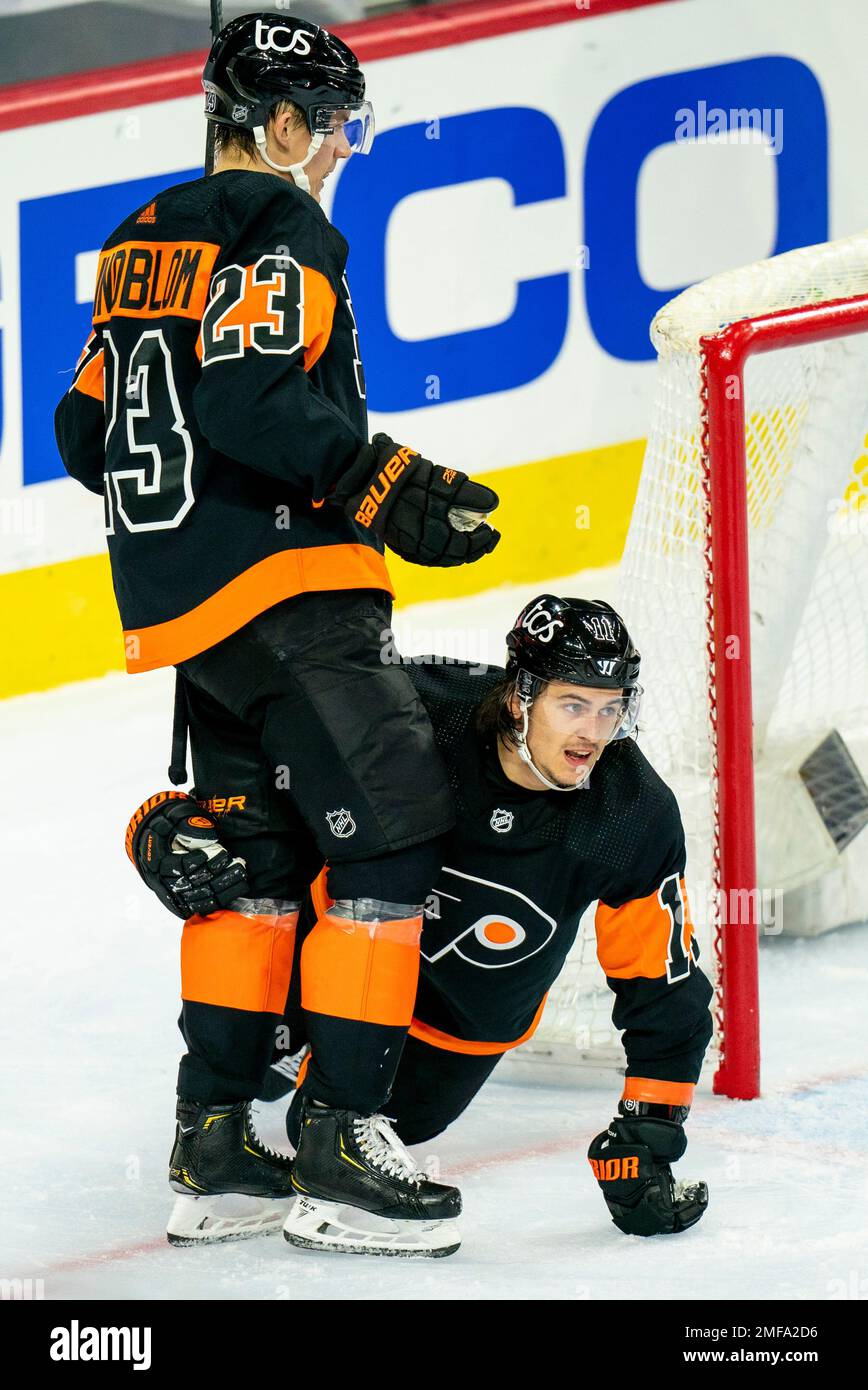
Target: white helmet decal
[[601, 626], [267, 38], [540, 623]]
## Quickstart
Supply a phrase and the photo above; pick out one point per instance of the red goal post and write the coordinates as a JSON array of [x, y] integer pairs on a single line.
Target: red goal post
[[744, 583], [724, 356]]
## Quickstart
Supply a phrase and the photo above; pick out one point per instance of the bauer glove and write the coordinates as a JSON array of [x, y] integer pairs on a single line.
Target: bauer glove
[[174, 846], [426, 514], [631, 1163]]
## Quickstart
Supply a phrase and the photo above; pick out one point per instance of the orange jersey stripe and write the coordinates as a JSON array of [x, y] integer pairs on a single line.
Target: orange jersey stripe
[[291, 572], [90, 380], [319, 893], [238, 962], [86, 349], [657, 1092], [362, 970], [633, 940], [425, 1033], [319, 312], [150, 279]]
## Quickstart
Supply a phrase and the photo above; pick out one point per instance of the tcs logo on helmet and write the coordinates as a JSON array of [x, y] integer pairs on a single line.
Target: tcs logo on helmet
[[539, 622], [493, 940], [267, 37]]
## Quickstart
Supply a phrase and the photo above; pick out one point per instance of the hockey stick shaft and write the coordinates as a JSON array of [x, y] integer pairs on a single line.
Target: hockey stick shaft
[[211, 130]]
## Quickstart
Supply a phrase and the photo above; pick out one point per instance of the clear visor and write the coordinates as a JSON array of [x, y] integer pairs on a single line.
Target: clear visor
[[595, 717], [355, 123]]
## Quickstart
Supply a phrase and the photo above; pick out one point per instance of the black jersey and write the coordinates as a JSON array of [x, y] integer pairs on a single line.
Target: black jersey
[[520, 869], [218, 399]]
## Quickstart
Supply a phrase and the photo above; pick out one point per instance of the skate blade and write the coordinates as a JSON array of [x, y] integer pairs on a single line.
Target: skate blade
[[227, 1216], [313, 1224]]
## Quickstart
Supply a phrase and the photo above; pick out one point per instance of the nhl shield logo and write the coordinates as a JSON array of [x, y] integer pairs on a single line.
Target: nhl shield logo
[[501, 820], [341, 823]]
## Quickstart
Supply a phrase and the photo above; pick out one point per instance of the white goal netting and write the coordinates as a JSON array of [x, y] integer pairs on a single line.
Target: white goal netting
[[806, 414]]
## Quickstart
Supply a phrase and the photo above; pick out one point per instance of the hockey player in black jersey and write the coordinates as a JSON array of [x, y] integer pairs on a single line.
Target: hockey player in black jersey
[[556, 807], [218, 409]]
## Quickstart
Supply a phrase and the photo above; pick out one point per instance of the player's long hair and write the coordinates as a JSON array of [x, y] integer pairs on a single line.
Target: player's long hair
[[494, 719]]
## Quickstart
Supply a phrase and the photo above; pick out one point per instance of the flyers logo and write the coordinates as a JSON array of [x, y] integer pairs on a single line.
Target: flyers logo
[[505, 926]]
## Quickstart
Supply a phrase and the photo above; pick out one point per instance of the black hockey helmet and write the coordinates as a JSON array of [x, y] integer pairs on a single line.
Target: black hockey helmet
[[259, 59], [574, 639], [580, 640]]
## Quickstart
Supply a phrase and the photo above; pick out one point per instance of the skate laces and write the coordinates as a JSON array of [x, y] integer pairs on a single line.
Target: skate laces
[[383, 1149]]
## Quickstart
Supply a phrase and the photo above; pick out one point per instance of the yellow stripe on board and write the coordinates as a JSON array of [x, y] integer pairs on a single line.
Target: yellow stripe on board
[[59, 623], [556, 516]]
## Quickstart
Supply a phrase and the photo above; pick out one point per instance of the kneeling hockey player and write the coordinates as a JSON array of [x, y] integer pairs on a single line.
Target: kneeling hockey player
[[521, 866]]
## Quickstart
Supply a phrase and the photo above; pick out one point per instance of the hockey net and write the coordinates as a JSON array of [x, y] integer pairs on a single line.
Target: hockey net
[[744, 582]]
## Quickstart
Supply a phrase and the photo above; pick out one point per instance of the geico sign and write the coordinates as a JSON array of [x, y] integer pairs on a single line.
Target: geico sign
[[526, 149], [519, 146]]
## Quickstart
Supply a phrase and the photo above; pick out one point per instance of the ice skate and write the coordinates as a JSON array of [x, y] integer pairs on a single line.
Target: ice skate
[[229, 1183], [360, 1191]]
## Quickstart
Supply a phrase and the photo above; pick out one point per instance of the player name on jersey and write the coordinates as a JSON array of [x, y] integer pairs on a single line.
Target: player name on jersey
[[148, 280]]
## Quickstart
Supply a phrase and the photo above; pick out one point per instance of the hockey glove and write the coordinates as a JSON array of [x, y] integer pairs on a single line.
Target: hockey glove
[[631, 1163], [174, 846], [417, 508]]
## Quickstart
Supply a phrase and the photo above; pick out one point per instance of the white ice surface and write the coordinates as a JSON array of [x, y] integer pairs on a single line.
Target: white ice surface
[[90, 1049]]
